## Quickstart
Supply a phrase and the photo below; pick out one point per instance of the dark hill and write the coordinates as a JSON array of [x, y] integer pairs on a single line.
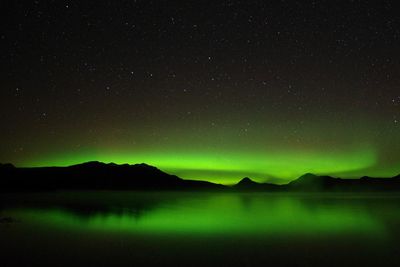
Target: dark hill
[[96, 176], [246, 184], [311, 182], [6, 166]]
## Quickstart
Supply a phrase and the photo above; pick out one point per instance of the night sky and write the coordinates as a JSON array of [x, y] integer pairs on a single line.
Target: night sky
[[213, 90]]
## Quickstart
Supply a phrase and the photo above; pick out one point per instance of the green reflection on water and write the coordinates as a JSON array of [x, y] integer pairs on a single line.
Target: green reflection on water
[[232, 214]]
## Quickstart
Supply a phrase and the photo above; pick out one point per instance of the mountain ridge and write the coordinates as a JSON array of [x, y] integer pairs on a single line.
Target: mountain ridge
[[95, 175]]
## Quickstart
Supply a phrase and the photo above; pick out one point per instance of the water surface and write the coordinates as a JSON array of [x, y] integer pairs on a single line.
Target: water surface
[[194, 229]]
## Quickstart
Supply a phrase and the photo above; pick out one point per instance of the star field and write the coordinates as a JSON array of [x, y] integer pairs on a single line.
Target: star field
[[211, 90]]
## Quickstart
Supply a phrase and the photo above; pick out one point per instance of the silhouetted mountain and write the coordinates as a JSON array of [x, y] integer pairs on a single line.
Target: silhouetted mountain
[[96, 176], [6, 166], [247, 184], [311, 182]]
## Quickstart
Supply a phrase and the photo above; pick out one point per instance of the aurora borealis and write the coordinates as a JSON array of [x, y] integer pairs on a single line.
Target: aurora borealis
[[210, 90]]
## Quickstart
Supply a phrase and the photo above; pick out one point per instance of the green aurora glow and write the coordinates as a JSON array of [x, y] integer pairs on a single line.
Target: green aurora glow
[[275, 161], [321, 97], [231, 167]]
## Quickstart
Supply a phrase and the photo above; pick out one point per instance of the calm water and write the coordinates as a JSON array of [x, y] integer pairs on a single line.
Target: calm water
[[199, 229]]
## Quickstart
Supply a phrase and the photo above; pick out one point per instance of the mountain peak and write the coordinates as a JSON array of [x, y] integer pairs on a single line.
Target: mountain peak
[[308, 175], [89, 164], [307, 178], [310, 181], [6, 165], [246, 181], [95, 175], [93, 165]]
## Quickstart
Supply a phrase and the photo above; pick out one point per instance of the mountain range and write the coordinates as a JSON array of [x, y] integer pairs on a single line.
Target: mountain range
[[101, 176]]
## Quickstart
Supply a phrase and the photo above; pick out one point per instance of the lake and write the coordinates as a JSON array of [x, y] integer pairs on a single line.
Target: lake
[[199, 229]]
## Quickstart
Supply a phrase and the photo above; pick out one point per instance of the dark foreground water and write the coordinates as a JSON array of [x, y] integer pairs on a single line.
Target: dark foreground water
[[199, 229]]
